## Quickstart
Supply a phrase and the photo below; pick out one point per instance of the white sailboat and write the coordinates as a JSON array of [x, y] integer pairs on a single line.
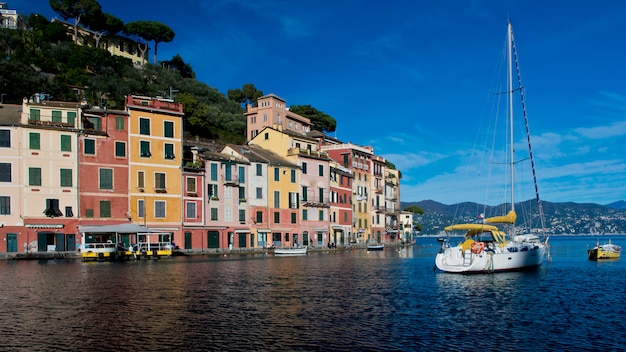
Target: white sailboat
[[493, 245]]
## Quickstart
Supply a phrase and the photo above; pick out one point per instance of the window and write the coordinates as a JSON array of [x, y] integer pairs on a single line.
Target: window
[[71, 117], [168, 129], [277, 217], [90, 146], [105, 208], [259, 170], [5, 172], [212, 191], [169, 151], [144, 126], [159, 180], [191, 184], [228, 214], [56, 116], [34, 140], [68, 212], [305, 214], [5, 139], [141, 211], [242, 193], [304, 168], [267, 136], [321, 169], [34, 176], [93, 123], [159, 209], [293, 176], [213, 214], [66, 177], [191, 210], [106, 179], [321, 215], [5, 205], [120, 149], [228, 172], [346, 159], [293, 218], [241, 174], [259, 217], [119, 123], [276, 199], [89, 213], [305, 191], [259, 193], [140, 179], [276, 174], [144, 149], [293, 200], [35, 114], [66, 143], [213, 172], [242, 216], [321, 194]]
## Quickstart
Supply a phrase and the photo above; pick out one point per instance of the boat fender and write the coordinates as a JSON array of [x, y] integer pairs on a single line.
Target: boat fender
[[478, 247]]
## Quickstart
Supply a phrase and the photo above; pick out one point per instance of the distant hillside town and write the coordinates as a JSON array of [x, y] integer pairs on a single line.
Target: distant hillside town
[[561, 218]]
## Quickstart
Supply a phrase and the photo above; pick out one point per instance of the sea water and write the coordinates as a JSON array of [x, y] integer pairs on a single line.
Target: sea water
[[340, 301]]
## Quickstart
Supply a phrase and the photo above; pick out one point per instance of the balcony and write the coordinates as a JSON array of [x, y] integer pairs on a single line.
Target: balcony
[[316, 202], [50, 123], [312, 153]]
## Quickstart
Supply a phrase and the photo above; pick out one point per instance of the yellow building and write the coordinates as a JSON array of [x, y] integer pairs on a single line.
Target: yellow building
[[155, 154]]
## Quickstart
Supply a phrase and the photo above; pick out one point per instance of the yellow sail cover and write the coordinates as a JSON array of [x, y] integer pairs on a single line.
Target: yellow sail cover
[[509, 218]]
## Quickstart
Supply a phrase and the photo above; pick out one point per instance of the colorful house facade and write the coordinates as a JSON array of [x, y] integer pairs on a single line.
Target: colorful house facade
[[155, 163]]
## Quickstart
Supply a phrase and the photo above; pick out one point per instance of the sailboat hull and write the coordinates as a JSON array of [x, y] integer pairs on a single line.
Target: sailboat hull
[[455, 260]]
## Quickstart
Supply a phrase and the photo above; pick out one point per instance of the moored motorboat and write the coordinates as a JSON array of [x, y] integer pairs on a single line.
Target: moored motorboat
[[375, 247], [604, 251], [290, 251]]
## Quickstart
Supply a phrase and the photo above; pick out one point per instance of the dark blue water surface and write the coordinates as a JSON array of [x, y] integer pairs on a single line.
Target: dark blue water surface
[[345, 301]]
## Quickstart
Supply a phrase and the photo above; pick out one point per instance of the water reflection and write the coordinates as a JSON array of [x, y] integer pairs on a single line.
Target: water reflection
[[357, 300]]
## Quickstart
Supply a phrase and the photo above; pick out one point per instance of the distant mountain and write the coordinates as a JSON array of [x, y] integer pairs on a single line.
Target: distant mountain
[[619, 205], [561, 218]]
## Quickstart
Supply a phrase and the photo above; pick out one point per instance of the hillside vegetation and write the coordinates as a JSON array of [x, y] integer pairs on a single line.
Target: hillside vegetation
[[44, 59]]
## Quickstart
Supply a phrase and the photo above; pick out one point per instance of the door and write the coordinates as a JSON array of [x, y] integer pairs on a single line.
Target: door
[[60, 242], [11, 242], [70, 239], [187, 240], [242, 240], [42, 241], [213, 239]]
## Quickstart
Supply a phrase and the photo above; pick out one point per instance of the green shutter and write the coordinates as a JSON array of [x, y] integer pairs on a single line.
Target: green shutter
[[35, 114], [66, 178], [119, 123], [71, 118], [168, 129], [105, 209], [66, 143], [34, 140], [106, 179], [56, 116], [34, 176]]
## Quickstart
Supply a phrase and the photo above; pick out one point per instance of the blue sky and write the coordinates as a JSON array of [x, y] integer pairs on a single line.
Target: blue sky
[[412, 78]]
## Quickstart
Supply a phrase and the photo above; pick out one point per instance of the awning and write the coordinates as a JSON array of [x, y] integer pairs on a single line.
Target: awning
[[118, 228], [45, 226]]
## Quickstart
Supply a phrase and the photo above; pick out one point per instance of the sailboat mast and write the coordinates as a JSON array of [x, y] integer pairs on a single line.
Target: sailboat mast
[[510, 78]]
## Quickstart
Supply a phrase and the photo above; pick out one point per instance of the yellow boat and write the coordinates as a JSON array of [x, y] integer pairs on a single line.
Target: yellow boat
[[604, 251]]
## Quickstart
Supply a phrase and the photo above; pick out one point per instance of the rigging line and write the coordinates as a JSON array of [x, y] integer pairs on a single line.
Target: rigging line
[[530, 149]]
